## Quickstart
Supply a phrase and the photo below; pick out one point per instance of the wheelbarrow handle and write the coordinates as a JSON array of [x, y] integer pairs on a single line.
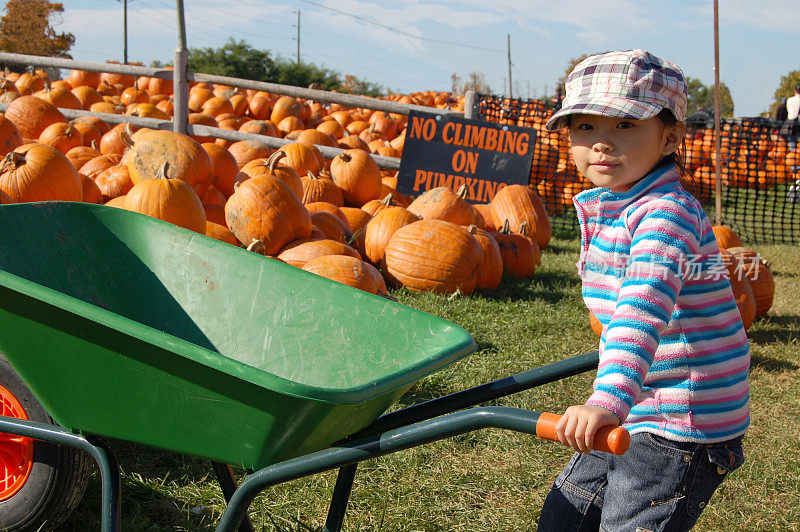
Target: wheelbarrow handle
[[609, 439]]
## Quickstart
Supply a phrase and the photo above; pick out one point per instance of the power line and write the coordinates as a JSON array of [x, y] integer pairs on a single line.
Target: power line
[[364, 51], [251, 19], [401, 32]]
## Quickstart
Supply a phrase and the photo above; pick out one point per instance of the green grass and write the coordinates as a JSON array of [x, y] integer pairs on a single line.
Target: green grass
[[496, 480]]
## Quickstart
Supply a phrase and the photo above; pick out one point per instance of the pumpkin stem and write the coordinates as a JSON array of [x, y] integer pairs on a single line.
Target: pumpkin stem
[[388, 199], [13, 159], [506, 230], [255, 245], [462, 192], [346, 157], [94, 145], [471, 229], [126, 136], [311, 175], [162, 172], [523, 228], [274, 158]]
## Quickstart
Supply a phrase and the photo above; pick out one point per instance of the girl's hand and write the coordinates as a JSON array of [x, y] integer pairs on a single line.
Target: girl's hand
[[579, 424]]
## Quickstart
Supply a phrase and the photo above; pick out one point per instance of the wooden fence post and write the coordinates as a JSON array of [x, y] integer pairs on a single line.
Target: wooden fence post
[[471, 102], [180, 91]]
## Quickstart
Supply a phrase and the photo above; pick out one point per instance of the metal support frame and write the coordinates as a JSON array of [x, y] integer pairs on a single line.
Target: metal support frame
[[109, 469], [392, 441], [403, 429], [450, 403]]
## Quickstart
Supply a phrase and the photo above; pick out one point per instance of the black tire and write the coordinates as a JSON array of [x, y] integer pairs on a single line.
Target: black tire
[[58, 477]]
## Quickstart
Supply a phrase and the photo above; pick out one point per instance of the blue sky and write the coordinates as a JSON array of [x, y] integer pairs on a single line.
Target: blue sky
[[759, 39]]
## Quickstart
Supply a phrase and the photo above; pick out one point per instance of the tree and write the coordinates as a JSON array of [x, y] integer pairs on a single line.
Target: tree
[[785, 89], [701, 98], [27, 28], [237, 59], [475, 81]]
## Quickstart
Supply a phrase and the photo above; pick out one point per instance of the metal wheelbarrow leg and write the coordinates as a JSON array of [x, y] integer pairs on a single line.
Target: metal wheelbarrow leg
[[109, 469]]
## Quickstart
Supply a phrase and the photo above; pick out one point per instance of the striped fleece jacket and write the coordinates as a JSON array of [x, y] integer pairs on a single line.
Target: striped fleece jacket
[[674, 356]]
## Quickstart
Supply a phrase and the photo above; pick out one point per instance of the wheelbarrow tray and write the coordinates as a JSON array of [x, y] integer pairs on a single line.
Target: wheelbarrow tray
[[129, 327]]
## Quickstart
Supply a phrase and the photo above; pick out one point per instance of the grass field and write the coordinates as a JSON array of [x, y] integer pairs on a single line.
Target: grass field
[[496, 480]]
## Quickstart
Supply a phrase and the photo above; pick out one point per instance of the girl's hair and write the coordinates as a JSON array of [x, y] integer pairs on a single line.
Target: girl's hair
[[678, 156]]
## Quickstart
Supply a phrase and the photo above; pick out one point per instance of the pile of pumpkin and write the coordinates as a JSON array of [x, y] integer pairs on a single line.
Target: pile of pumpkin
[[341, 218], [750, 276]]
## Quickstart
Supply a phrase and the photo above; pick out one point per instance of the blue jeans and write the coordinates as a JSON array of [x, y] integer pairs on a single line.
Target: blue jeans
[[658, 485]]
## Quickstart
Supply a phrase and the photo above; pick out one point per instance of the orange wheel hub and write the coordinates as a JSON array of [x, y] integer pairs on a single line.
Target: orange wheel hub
[[16, 452]]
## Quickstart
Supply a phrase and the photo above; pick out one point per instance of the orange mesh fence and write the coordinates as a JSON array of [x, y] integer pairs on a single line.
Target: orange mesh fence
[[760, 172]]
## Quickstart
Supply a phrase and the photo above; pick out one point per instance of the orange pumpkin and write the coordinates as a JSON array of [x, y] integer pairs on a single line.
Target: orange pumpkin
[[113, 182], [358, 175], [266, 209], [317, 188], [490, 270], [93, 168], [31, 115], [224, 167], [245, 151], [357, 220], [221, 233], [433, 255], [91, 192], [441, 203], [332, 226], [742, 291], [78, 78], [61, 136], [726, 237], [299, 252], [187, 159], [60, 97], [596, 325], [259, 127], [272, 166], [302, 157], [518, 204], [520, 253], [348, 270], [80, 155], [284, 107], [759, 274], [36, 172], [168, 199], [483, 216], [381, 227], [10, 139]]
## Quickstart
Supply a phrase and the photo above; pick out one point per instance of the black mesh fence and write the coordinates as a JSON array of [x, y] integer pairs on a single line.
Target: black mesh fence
[[760, 173]]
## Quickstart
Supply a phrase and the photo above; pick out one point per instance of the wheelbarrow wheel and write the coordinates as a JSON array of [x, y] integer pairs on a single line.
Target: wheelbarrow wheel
[[40, 483]]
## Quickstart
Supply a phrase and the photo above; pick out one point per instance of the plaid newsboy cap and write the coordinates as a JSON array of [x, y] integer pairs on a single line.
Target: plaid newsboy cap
[[633, 84]]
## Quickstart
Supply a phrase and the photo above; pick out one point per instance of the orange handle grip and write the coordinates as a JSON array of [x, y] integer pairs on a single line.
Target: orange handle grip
[[609, 439]]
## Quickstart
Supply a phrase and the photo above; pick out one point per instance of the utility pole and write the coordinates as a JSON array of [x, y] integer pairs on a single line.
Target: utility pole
[[124, 31], [508, 40], [717, 126], [298, 36]]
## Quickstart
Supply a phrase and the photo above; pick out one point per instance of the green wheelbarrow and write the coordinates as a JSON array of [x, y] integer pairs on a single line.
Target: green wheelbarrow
[[114, 324]]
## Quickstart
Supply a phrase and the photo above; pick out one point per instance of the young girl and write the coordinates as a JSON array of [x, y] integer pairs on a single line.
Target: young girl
[[673, 354]]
